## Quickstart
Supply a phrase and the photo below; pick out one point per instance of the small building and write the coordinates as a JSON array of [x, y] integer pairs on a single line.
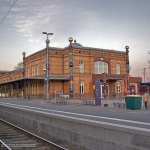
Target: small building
[[71, 70]]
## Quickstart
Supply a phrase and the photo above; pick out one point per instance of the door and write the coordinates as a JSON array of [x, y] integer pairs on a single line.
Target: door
[[102, 90]]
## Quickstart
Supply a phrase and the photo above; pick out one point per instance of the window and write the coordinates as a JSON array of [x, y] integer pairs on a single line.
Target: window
[[28, 72], [37, 69], [118, 87], [81, 87], [44, 68], [118, 68], [100, 67], [81, 67], [32, 70], [37, 88], [32, 88]]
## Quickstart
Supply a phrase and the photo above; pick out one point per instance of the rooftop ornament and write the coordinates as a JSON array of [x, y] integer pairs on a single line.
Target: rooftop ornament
[[70, 39]]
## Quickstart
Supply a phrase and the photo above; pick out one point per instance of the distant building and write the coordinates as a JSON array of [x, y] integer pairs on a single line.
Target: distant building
[[76, 72], [2, 72]]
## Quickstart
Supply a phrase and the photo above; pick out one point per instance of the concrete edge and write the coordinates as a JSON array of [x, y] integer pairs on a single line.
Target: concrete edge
[[123, 128]]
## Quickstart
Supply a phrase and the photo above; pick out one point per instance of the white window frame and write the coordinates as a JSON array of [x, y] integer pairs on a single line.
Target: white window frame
[[118, 85], [81, 86], [117, 68], [81, 67], [100, 65]]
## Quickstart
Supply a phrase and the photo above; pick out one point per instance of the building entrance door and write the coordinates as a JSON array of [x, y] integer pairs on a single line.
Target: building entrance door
[[132, 90], [102, 90]]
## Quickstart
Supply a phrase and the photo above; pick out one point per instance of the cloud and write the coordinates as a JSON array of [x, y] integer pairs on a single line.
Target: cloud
[[31, 18], [55, 44]]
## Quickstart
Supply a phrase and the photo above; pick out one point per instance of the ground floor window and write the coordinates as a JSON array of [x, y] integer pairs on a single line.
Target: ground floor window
[[37, 88], [81, 87], [118, 87]]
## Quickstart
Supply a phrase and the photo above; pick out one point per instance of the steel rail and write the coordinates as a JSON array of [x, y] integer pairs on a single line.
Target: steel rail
[[4, 145], [34, 135]]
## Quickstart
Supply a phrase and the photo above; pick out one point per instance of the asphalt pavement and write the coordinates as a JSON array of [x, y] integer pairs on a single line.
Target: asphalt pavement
[[110, 114]]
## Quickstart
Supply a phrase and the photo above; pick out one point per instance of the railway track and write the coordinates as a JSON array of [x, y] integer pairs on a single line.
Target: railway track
[[16, 138]]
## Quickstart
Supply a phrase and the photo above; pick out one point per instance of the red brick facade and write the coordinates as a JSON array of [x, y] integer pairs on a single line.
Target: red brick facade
[[30, 85]]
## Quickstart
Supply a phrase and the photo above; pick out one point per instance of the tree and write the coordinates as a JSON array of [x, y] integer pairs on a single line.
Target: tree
[[19, 66]]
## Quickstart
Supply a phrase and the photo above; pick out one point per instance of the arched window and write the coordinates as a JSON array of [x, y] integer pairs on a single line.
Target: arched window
[[118, 87], [100, 67], [81, 87]]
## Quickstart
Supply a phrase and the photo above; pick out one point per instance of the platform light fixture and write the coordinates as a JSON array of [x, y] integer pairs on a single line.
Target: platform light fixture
[[47, 65]]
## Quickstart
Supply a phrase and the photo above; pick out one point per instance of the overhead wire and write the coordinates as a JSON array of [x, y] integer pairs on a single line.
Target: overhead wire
[[8, 12]]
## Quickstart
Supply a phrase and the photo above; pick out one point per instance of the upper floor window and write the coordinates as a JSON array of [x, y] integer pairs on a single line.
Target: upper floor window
[[118, 87], [81, 67], [34, 70], [100, 67], [118, 68], [37, 69], [44, 68], [28, 72]]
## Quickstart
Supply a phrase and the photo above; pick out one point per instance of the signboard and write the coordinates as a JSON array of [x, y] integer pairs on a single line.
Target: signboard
[[71, 88], [59, 92], [97, 92], [115, 76]]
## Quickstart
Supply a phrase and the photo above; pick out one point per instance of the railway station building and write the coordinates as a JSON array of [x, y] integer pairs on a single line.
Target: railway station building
[[73, 71]]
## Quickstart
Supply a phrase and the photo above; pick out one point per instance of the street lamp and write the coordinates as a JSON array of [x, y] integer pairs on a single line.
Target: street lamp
[[127, 70], [47, 65], [23, 74], [71, 67]]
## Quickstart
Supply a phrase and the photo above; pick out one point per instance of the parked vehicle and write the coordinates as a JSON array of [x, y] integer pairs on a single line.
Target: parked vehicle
[[144, 88]]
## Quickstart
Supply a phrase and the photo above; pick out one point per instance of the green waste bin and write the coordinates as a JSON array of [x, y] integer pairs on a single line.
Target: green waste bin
[[133, 101]]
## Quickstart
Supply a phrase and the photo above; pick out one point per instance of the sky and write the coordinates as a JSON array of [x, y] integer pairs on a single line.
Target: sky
[[107, 24]]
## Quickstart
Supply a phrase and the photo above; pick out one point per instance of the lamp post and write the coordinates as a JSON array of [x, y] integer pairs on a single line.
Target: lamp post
[[80, 71], [44, 70], [23, 74], [47, 65], [127, 70], [71, 67]]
